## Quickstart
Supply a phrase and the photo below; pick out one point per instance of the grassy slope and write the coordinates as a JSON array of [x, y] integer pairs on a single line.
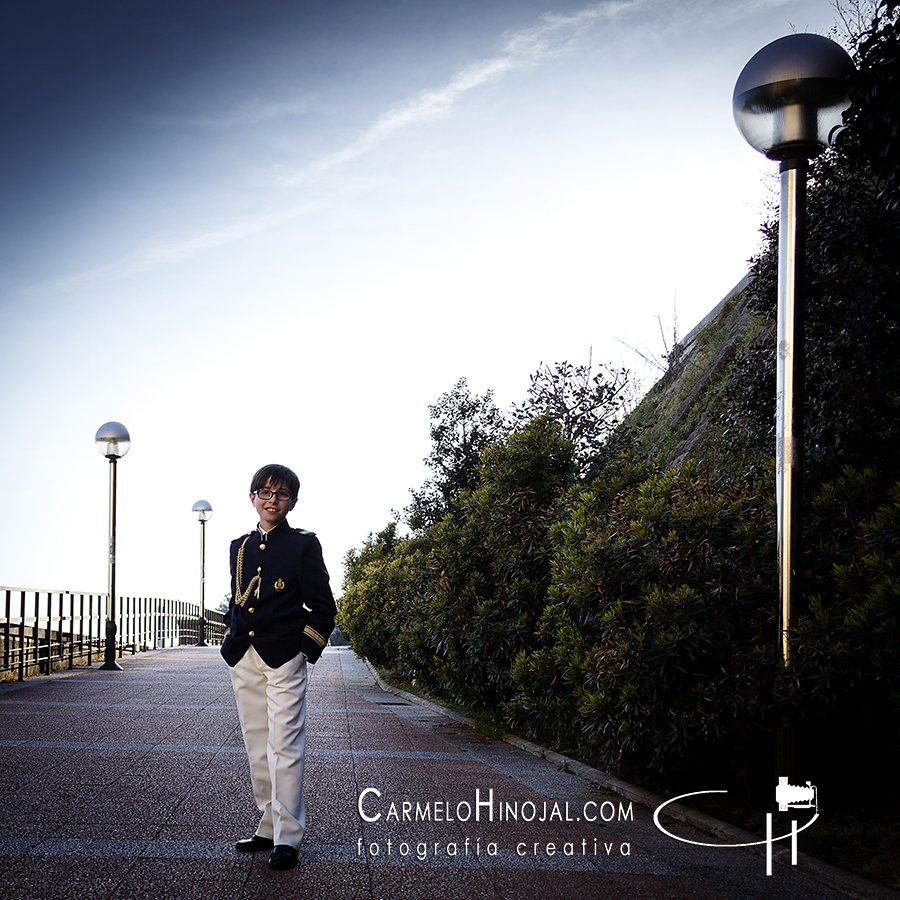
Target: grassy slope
[[677, 415]]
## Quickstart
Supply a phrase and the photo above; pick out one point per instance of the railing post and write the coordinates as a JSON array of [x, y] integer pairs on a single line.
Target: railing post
[[61, 655], [21, 635], [71, 631], [90, 624], [37, 629], [6, 636], [80, 624]]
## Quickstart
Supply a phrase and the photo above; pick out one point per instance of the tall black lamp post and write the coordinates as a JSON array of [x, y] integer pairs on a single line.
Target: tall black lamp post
[[204, 514], [113, 442], [788, 103]]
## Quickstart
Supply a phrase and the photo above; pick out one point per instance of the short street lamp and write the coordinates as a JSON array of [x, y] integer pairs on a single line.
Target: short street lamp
[[204, 514], [113, 442], [788, 103]]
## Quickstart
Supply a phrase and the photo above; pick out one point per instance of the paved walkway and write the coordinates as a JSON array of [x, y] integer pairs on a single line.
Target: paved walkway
[[135, 784]]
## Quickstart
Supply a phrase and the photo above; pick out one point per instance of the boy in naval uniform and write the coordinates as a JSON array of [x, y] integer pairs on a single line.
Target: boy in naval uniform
[[279, 620]]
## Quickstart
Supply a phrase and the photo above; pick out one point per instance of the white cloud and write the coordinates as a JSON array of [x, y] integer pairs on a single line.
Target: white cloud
[[522, 50], [551, 37]]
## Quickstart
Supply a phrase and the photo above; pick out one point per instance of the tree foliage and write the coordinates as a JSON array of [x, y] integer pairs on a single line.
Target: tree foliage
[[852, 331], [586, 405], [463, 425], [871, 138]]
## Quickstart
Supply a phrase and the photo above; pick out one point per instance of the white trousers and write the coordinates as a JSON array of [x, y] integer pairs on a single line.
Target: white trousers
[[272, 708]]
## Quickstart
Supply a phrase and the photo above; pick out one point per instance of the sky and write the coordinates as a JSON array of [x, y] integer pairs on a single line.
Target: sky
[[259, 231]]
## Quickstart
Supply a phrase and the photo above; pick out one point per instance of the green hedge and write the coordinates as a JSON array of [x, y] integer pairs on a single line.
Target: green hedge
[[634, 623], [659, 635]]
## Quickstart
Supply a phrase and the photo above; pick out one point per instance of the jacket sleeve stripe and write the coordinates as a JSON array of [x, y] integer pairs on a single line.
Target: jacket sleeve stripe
[[311, 632]]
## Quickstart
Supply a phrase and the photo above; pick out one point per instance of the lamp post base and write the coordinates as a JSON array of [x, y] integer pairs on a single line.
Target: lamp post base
[[109, 653]]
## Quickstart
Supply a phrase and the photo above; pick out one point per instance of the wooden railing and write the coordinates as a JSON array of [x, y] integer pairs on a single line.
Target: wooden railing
[[45, 630]]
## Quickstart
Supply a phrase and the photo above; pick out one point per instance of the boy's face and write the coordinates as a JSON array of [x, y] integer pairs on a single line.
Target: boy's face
[[273, 511]]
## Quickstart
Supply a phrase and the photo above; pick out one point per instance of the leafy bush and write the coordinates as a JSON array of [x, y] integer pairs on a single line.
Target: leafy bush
[[379, 593], [490, 568], [660, 656], [845, 682]]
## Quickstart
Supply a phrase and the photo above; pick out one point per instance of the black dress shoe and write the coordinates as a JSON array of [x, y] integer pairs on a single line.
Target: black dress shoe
[[283, 857], [251, 845]]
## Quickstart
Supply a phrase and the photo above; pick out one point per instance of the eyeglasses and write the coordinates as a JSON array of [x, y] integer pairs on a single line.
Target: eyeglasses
[[266, 494]]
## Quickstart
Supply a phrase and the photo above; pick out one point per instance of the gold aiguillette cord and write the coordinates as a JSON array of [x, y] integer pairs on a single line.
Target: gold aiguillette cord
[[255, 581]]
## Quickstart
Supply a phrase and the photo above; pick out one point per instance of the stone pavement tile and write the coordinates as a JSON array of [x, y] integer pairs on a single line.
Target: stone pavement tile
[[164, 765], [151, 794], [151, 727], [311, 881], [223, 785], [390, 775], [184, 879], [103, 820], [52, 878], [214, 831], [228, 776], [414, 882], [599, 886], [330, 803], [327, 736], [324, 695], [64, 812], [324, 765], [323, 742], [23, 766], [102, 767], [382, 731], [206, 728], [28, 722], [213, 818]]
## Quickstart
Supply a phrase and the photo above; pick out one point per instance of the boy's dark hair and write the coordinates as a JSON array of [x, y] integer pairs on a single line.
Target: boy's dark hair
[[276, 475]]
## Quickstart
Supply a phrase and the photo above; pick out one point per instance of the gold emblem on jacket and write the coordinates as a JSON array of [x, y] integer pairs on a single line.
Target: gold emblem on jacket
[[279, 585]]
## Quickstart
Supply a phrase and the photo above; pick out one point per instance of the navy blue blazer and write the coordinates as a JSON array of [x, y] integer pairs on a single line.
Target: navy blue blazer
[[283, 605]]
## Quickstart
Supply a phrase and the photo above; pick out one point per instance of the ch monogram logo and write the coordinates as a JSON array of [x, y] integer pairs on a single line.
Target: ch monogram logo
[[788, 796]]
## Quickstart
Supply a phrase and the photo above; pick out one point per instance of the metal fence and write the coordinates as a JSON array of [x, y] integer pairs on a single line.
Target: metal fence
[[45, 630]]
